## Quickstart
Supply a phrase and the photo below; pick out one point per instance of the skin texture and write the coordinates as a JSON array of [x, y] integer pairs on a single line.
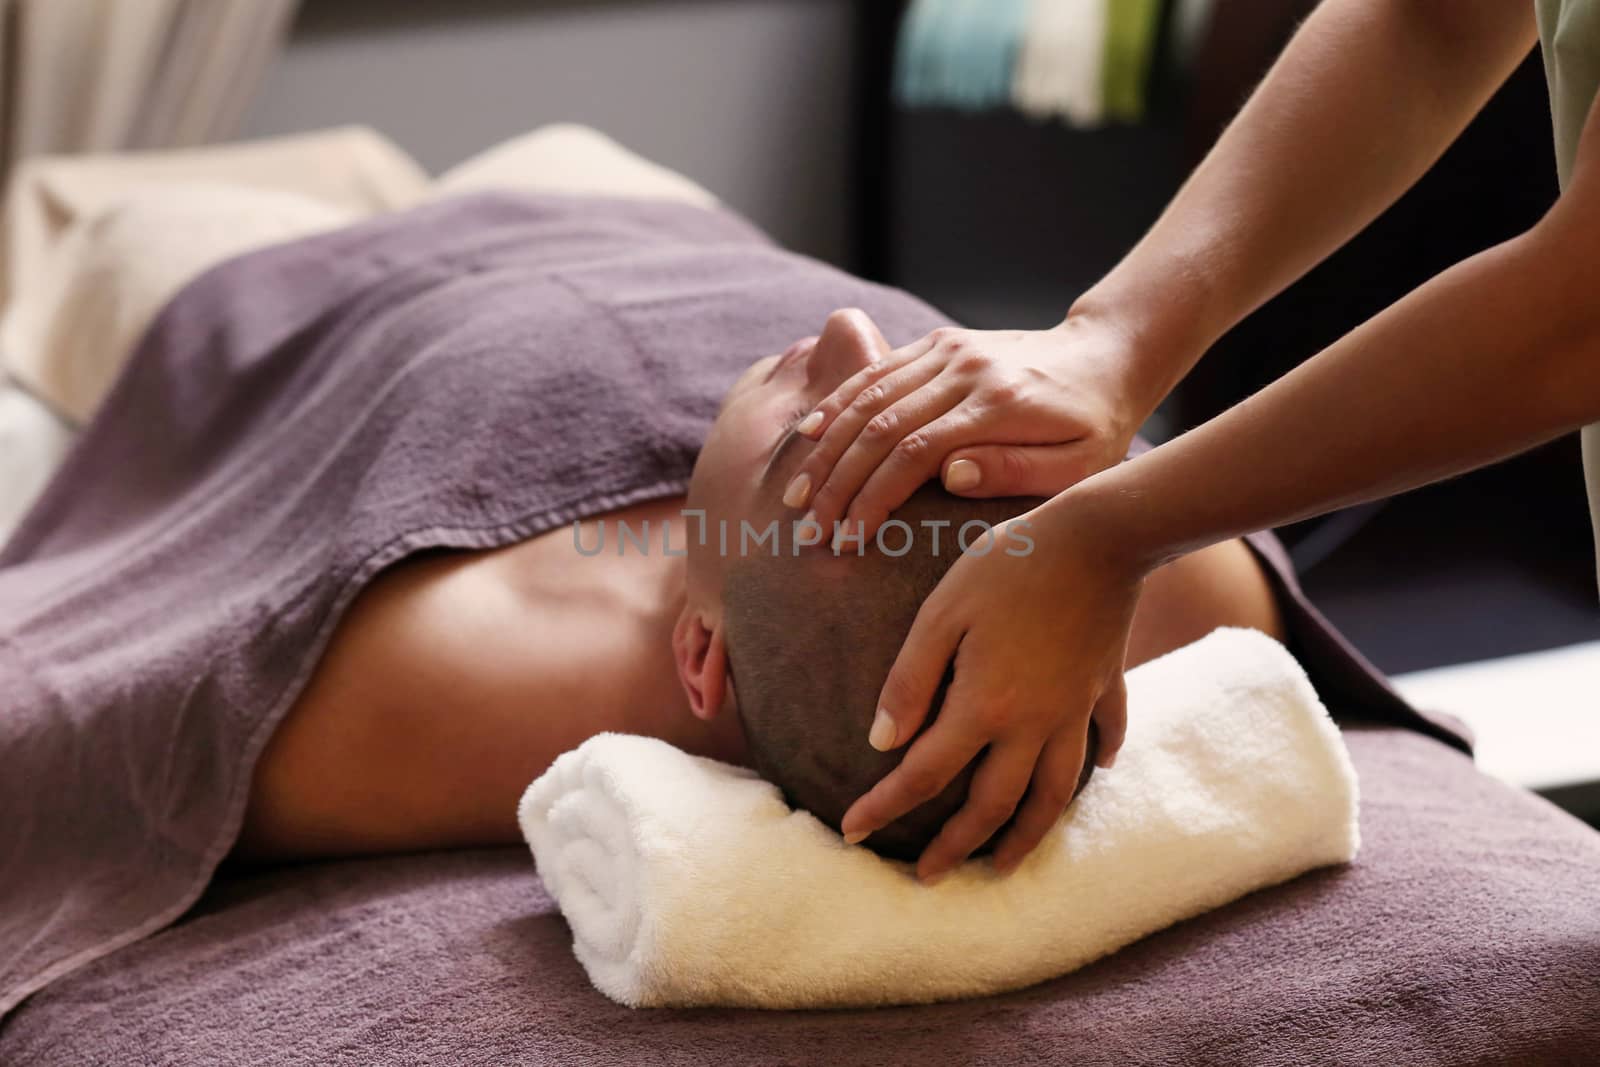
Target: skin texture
[[1494, 356]]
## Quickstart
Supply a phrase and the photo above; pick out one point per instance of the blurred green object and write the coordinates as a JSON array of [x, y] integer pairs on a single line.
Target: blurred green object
[[1131, 29]]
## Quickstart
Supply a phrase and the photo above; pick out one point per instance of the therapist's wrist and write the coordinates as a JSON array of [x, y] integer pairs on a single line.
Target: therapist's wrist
[[1161, 339], [1112, 522]]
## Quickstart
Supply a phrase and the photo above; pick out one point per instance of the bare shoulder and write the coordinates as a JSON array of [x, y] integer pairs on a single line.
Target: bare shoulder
[[453, 680], [1222, 585]]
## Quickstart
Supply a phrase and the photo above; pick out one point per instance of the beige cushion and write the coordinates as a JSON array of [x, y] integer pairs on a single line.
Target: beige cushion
[[88, 300], [566, 158], [351, 168], [97, 245]]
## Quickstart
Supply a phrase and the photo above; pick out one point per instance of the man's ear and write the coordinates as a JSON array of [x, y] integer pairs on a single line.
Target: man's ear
[[702, 659]]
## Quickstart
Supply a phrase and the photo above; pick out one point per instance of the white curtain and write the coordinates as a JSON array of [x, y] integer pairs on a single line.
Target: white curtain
[[107, 75]]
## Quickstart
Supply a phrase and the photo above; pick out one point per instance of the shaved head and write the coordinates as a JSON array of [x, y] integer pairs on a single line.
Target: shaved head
[[799, 642], [810, 639]]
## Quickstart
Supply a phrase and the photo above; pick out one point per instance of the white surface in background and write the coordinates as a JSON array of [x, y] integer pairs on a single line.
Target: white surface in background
[[32, 444], [1536, 716]]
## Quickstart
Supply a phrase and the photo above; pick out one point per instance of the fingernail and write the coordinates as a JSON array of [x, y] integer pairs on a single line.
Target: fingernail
[[962, 475], [799, 489], [809, 532], [855, 837], [809, 424], [881, 736], [931, 880]]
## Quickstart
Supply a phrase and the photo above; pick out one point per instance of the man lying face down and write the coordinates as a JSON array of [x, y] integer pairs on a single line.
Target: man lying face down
[[797, 639], [420, 707], [456, 677], [421, 704]]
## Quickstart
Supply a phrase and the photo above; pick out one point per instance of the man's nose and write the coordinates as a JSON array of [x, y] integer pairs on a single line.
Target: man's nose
[[849, 342]]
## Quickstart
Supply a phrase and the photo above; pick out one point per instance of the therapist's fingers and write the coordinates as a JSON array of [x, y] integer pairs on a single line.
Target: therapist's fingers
[[908, 465], [903, 705], [813, 484], [846, 392], [903, 443], [925, 657], [1111, 719], [929, 765], [997, 787], [1055, 780], [1018, 470]]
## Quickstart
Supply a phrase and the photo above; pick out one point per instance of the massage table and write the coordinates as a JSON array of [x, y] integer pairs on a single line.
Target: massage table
[[1465, 932]]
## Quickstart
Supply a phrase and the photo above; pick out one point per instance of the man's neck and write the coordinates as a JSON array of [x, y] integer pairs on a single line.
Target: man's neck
[[626, 568]]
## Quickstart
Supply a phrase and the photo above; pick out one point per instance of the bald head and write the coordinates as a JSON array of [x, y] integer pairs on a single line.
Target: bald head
[[810, 640]]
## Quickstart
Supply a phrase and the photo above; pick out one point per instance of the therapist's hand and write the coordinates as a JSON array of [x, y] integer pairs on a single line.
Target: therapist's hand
[[991, 413], [1038, 639]]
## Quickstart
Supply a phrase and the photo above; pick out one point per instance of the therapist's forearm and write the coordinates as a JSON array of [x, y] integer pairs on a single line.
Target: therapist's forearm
[[1496, 355], [1362, 101]]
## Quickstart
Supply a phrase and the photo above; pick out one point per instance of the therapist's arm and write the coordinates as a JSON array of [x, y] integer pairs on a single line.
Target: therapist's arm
[[1365, 97], [1492, 357]]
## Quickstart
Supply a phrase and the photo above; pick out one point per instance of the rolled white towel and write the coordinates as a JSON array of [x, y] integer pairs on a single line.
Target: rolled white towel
[[689, 882]]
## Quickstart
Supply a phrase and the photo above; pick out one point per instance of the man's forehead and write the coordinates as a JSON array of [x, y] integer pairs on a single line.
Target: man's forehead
[[741, 385]]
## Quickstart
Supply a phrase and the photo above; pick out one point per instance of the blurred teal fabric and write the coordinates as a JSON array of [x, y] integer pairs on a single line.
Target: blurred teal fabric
[[959, 53]]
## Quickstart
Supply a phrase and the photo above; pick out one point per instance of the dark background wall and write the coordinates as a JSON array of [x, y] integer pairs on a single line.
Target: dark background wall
[[751, 98]]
